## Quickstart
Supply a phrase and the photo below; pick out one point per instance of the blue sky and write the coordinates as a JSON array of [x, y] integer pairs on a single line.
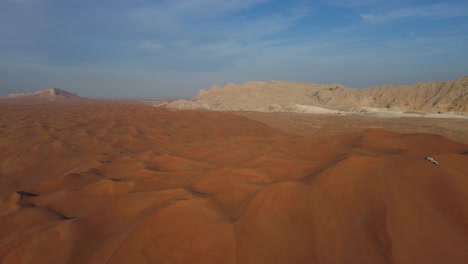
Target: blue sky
[[121, 48]]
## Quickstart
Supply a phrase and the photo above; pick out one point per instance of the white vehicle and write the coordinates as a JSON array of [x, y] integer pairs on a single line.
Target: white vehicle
[[431, 159]]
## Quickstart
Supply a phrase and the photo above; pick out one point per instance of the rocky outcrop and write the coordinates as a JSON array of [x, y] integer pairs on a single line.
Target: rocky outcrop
[[427, 96], [51, 94], [279, 96]]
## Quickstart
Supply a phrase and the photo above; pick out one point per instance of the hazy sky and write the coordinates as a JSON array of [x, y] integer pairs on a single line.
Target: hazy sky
[[119, 48]]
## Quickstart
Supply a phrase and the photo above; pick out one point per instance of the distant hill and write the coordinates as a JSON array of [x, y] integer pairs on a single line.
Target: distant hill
[[52, 94], [280, 96]]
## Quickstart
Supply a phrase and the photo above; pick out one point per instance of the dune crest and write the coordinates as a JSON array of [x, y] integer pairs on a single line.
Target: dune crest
[[131, 183]]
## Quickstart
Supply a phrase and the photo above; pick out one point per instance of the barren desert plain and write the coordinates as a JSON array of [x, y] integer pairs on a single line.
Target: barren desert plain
[[125, 182]]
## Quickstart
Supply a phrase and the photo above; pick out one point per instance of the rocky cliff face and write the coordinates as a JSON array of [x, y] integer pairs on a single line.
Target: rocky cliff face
[[277, 96], [427, 96]]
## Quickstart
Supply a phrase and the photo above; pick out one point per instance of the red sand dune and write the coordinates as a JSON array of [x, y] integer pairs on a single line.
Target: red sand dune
[[128, 183]]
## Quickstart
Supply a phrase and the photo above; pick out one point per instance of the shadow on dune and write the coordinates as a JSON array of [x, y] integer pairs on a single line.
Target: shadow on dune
[[127, 183]]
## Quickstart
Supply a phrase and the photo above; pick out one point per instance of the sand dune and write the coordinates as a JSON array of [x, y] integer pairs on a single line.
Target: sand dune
[[129, 183]]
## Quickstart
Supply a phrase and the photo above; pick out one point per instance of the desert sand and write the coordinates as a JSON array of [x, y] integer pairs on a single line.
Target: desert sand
[[132, 183]]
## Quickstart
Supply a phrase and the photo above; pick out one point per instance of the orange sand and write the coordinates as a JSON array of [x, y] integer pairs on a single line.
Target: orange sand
[[129, 183]]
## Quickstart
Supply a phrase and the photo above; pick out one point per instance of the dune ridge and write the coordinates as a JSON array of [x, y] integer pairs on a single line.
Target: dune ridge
[[130, 183], [281, 96]]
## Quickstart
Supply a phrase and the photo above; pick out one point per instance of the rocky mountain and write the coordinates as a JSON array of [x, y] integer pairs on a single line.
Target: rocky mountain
[[280, 96], [52, 94]]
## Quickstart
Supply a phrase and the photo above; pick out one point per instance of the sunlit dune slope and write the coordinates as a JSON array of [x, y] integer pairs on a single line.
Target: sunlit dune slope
[[128, 183]]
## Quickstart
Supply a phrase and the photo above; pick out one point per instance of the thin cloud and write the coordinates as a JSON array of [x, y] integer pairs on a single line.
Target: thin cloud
[[356, 3], [17, 1], [213, 7], [433, 11], [198, 19], [206, 45]]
